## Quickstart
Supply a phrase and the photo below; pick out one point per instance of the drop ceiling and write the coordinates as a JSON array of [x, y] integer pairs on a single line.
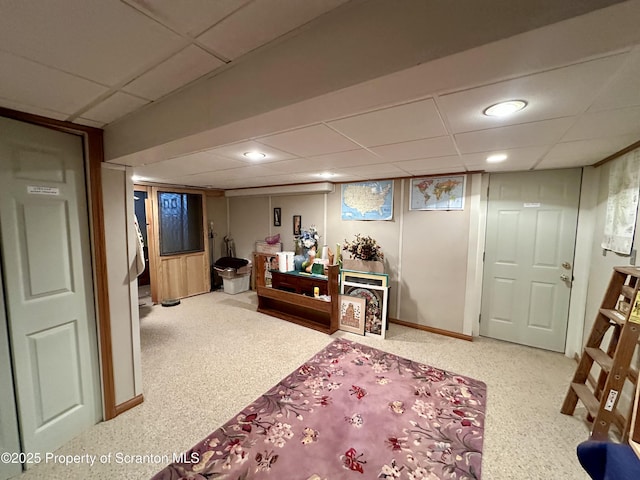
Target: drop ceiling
[[396, 113]]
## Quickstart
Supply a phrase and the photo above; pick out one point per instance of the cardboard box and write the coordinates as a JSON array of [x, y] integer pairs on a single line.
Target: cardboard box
[[264, 247]]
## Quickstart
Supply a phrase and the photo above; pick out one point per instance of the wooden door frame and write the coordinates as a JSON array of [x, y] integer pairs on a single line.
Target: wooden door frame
[[93, 158]]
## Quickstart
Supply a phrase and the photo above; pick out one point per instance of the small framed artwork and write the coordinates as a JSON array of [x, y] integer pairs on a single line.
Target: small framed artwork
[[352, 314], [297, 224], [375, 317], [277, 215], [366, 278]]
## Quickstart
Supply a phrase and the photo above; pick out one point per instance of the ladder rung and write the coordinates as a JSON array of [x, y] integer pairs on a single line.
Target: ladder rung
[[601, 358], [633, 375], [587, 398], [628, 292], [613, 315]]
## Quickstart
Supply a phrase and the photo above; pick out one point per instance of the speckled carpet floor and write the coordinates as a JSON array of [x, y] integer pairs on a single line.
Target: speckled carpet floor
[[206, 359]]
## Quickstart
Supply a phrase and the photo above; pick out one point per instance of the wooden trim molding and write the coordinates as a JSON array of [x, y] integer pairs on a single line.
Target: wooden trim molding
[[619, 153], [94, 152], [129, 404], [439, 331]]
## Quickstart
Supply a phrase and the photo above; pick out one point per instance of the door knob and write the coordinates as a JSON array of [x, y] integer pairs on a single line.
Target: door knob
[[566, 265], [564, 278]]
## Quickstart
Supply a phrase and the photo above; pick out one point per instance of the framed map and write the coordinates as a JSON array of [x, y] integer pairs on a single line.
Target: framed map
[[367, 200], [438, 193]]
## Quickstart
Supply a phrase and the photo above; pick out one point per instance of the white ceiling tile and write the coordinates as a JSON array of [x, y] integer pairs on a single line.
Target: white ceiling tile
[[557, 93], [431, 147], [429, 164], [514, 136], [623, 91], [6, 103], [115, 106], [107, 42], [584, 152], [237, 151], [374, 171], [309, 141], [31, 84], [438, 170], [402, 123], [622, 121], [261, 22], [182, 68], [517, 159], [328, 162], [191, 16], [187, 165]]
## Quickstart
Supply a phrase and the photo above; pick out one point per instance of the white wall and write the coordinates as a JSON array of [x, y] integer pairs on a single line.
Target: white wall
[[117, 191]]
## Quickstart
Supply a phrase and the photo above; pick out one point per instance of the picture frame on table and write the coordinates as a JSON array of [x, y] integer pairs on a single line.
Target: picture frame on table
[[352, 314], [376, 300], [297, 224], [277, 217]]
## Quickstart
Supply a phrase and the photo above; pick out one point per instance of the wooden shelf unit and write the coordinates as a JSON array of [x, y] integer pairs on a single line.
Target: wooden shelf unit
[[315, 313]]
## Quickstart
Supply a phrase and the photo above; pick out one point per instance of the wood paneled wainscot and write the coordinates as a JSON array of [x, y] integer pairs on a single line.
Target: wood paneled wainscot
[[315, 313]]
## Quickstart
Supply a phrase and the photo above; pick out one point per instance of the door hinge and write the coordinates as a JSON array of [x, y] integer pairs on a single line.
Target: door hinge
[[483, 255], [479, 318]]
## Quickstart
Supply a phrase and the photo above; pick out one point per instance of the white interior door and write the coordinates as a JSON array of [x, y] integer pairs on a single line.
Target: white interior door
[[9, 437], [44, 234], [531, 232]]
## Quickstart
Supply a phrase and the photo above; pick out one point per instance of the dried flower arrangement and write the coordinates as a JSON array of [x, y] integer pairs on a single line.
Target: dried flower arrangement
[[364, 248]]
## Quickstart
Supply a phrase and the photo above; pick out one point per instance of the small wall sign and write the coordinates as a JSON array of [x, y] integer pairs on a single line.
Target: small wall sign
[[42, 190]]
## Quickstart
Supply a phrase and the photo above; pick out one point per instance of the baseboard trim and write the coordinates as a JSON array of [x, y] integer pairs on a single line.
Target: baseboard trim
[[129, 404], [439, 331]]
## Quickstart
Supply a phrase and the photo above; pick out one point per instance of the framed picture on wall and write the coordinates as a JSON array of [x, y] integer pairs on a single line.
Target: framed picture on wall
[[375, 305], [277, 216], [352, 314], [438, 193], [297, 224]]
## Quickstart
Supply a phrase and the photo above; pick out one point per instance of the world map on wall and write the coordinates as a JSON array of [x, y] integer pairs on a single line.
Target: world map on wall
[[367, 200], [437, 193]]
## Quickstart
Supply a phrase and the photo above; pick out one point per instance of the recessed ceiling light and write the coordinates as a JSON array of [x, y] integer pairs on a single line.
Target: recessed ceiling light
[[504, 108], [326, 174], [497, 158], [254, 155]]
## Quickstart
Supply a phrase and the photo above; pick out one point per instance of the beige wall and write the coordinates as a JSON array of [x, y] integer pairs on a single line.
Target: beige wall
[[217, 213], [434, 266], [602, 262], [117, 189], [601, 268], [386, 233], [426, 252]]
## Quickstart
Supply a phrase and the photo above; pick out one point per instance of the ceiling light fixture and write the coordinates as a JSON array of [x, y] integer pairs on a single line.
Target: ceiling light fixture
[[254, 155], [503, 109], [326, 174], [497, 158]]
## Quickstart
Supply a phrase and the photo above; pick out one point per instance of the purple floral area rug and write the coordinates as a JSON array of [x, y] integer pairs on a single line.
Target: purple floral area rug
[[351, 411]]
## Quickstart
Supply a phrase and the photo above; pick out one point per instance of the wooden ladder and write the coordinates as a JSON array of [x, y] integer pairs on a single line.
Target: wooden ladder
[[601, 398]]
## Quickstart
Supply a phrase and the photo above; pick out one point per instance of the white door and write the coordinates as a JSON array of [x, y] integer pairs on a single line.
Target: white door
[[9, 439], [531, 232], [44, 235]]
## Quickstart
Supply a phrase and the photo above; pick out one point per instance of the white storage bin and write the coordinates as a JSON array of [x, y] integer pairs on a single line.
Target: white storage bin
[[236, 285]]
